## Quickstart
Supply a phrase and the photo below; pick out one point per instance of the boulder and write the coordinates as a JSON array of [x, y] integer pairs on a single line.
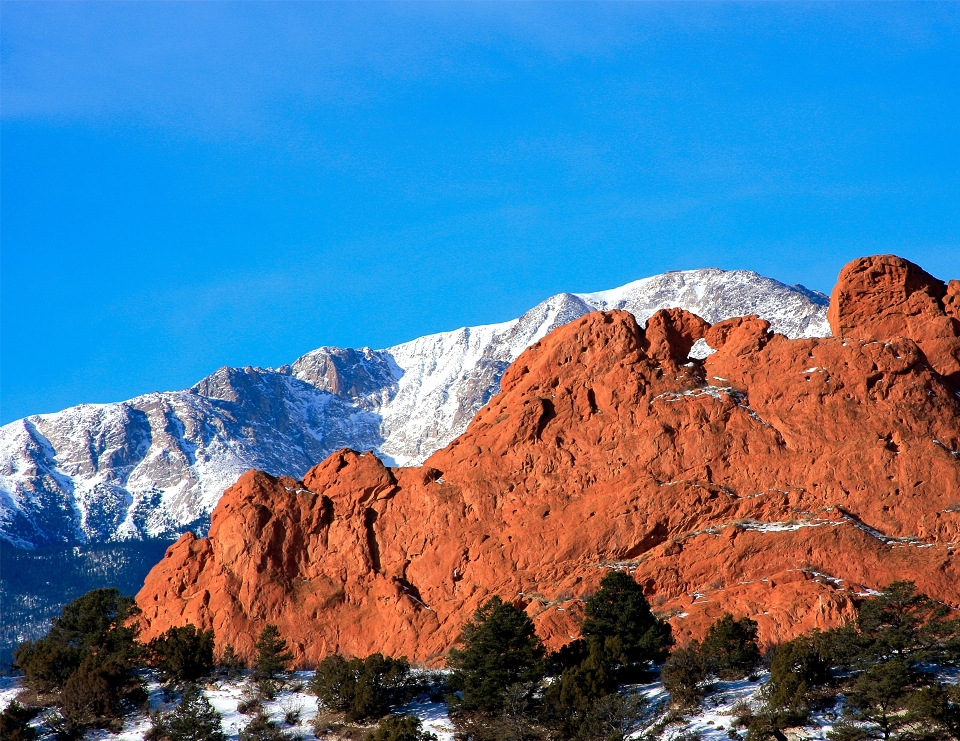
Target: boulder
[[882, 297]]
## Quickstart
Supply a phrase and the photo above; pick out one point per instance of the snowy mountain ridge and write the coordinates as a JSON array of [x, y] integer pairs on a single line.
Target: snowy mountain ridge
[[155, 466]]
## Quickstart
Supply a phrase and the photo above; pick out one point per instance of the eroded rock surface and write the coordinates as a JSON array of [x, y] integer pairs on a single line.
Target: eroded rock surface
[[882, 297], [775, 478]]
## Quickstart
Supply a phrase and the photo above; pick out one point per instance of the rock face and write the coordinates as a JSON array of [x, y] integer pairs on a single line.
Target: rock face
[[156, 465], [879, 298], [775, 478]]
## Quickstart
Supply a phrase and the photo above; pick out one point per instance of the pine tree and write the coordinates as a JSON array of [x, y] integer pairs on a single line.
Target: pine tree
[[619, 610], [500, 648], [902, 623], [889, 692], [798, 668], [96, 624], [89, 658], [194, 719], [880, 695], [183, 654], [231, 664], [937, 706], [730, 648], [273, 657]]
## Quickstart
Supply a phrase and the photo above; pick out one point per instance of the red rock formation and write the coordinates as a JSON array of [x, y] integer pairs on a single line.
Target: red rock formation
[[776, 479], [883, 297]]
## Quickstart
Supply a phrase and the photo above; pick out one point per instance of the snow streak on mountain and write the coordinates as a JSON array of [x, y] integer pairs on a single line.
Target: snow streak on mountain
[[156, 465]]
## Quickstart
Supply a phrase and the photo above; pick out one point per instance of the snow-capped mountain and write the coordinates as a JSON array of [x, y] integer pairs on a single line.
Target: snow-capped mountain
[[156, 465]]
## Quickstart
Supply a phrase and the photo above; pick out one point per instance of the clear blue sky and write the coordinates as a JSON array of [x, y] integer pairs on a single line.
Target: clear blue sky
[[186, 186]]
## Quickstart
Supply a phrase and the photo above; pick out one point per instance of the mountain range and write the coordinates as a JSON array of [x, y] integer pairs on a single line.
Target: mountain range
[[155, 466], [727, 468]]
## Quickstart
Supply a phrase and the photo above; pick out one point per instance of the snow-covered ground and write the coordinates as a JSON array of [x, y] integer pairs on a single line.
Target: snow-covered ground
[[226, 696], [711, 722], [716, 712]]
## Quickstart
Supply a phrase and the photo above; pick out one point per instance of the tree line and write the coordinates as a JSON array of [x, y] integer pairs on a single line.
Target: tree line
[[504, 685]]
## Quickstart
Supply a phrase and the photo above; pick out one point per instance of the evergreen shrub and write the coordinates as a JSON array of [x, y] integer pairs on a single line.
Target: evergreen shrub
[[500, 648], [362, 689]]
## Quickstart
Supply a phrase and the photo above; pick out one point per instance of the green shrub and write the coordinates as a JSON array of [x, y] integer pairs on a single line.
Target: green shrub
[[194, 719], [250, 705], [94, 694], [183, 654], [46, 663], [500, 648], [683, 676], [362, 689], [614, 717], [15, 723], [566, 657], [730, 648], [334, 682], [261, 728], [400, 728], [570, 700]]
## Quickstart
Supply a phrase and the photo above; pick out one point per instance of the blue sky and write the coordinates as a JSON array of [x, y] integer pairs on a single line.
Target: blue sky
[[186, 186]]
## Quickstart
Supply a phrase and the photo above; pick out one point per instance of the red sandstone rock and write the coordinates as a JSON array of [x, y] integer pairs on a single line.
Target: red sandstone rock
[[671, 333], [777, 479], [882, 297]]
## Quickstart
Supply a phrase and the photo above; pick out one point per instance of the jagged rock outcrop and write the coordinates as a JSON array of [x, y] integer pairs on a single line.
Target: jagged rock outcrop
[[776, 478], [882, 297]]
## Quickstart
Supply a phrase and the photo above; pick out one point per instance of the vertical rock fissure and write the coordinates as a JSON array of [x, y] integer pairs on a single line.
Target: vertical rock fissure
[[369, 520], [546, 414]]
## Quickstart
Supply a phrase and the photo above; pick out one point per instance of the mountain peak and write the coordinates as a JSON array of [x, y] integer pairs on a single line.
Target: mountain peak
[[156, 465]]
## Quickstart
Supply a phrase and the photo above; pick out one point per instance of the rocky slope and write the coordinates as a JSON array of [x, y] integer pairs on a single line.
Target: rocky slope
[[775, 478], [157, 465]]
